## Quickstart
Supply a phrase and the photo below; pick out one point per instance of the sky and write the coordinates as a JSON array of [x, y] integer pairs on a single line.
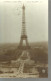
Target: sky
[[36, 17]]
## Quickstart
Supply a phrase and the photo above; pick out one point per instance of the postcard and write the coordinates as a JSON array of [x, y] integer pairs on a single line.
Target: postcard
[[24, 39]]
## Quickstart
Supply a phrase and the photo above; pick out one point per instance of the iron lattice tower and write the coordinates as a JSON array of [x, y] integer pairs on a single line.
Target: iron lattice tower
[[23, 33]]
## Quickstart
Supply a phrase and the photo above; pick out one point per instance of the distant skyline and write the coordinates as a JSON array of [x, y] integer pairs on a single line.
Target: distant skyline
[[36, 14]]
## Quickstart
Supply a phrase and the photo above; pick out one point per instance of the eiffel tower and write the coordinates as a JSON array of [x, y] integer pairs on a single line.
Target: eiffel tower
[[23, 41]]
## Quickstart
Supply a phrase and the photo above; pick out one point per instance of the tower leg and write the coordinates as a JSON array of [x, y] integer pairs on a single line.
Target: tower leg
[[22, 46]]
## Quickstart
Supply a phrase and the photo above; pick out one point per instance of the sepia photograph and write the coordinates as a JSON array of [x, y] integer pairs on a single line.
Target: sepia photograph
[[23, 39]]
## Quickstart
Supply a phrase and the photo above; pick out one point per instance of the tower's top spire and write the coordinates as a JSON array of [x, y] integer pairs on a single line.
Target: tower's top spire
[[23, 7], [23, 20]]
